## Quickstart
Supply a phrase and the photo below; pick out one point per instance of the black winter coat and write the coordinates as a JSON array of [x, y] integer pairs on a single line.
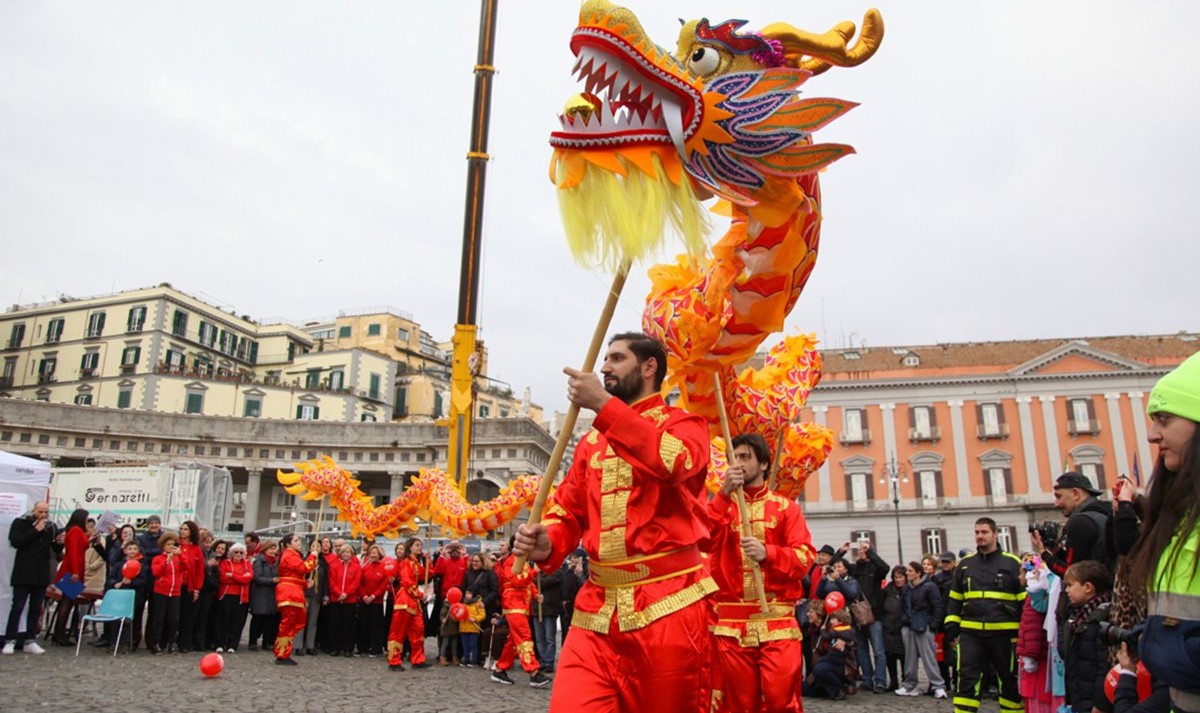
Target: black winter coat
[[925, 610], [870, 574], [484, 583], [550, 587], [1086, 657], [893, 615], [31, 566]]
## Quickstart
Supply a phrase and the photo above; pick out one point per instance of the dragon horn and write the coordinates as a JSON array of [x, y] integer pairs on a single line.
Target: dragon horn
[[287, 478], [817, 53]]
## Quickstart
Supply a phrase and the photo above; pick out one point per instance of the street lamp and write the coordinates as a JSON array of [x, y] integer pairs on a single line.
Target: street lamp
[[894, 474]]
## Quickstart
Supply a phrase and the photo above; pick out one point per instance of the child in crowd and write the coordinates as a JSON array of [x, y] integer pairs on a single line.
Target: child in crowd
[[470, 628], [834, 648], [448, 652], [1034, 677], [1080, 642], [169, 575], [130, 552]]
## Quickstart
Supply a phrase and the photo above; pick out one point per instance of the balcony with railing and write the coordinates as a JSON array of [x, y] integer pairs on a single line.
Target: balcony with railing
[[46, 378], [932, 434], [863, 437], [985, 432], [87, 373], [1087, 426]]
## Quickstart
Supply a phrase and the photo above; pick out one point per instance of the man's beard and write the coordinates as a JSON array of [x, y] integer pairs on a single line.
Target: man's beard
[[626, 388]]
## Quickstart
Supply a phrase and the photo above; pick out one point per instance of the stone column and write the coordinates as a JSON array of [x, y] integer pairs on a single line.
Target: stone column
[[1025, 417], [1145, 459], [1052, 451], [397, 485], [253, 486], [1118, 435], [823, 479], [962, 475], [889, 429]]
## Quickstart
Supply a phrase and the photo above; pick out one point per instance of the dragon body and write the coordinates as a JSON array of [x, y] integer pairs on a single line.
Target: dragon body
[[722, 116]]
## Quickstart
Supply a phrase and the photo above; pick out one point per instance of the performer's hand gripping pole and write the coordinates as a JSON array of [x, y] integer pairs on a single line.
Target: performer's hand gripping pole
[[740, 498], [568, 427]]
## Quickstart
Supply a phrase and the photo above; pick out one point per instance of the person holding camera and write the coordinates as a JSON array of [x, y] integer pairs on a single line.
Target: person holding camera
[[1083, 537], [869, 570], [1166, 560]]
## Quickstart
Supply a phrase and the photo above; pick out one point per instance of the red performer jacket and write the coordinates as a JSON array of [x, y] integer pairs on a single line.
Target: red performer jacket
[[293, 578], [779, 524], [168, 575], [633, 495], [345, 577], [408, 594], [235, 578], [516, 591], [374, 581]]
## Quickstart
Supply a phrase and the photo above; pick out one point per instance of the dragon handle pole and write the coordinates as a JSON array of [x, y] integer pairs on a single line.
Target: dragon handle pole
[[564, 436], [740, 498]]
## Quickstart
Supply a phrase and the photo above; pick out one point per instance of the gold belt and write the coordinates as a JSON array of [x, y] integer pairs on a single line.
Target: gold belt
[[637, 571]]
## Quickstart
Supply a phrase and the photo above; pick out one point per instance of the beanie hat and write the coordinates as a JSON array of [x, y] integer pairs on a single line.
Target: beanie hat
[[1178, 392]]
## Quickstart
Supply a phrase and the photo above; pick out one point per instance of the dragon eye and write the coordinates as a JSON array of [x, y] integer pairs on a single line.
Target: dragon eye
[[704, 61]]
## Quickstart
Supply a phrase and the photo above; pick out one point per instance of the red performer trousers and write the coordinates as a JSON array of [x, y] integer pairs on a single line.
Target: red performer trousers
[[519, 643], [764, 678], [662, 667], [406, 625], [292, 618]]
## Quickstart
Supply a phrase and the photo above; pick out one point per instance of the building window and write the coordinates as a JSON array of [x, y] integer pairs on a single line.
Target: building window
[[931, 487], [1007, 538], [129, 359], [863, 536], [10, 373], [337, 379], [1081, 416], [437, 404], [136, 319], [83, 399], [312, 379], [175, 359], [401, 406], [369, 417], [854, 426], [228, 342], [374, 330], [88, 364], [402, 334], [860, 489], [344, 332], [308, 412], [179, 323], [998, 482], [922, 424], [912, 360], [253, 408], [991, 421], [208, 334], [124, 398], [46, 368], [54, 331], [484, 410], [195, 403], [95, 325], [373, 389], [933, 540], [16, 336]]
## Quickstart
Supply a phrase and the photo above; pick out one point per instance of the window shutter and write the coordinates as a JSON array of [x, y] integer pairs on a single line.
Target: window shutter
[[316, 413], [100, 322], [870, 478], [912, 416], [1091, 404], [849, 488], [987, 481], [937, 475], [1008, 480], [1101, 481], [299, 411], [1000, 412], [932, 416]]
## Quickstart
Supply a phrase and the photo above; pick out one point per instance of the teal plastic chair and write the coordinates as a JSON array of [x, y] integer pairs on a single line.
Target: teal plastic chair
[[116, 606]]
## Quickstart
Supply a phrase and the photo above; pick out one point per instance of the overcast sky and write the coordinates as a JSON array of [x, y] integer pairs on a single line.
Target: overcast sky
[[1024, 169]]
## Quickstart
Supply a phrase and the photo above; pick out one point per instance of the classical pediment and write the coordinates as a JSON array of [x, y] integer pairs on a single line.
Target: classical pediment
[[1076, 357]]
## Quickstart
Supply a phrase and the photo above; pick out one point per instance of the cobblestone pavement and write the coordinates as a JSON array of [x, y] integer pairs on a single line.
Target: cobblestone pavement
[[141, 683]]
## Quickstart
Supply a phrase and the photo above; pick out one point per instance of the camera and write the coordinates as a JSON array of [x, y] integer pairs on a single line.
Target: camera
[[1114, 635], [1049, 531]]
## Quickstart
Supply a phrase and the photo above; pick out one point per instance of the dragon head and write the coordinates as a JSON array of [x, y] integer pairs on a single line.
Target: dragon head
[[724, 108]]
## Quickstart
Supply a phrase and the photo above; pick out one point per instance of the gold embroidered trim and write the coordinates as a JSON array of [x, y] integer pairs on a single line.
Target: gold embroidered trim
[[657, 414], [617, 475], [669, 450], [619, 579], [290, 604], [506, 612], [593, 437], [757, 633], [630, 620]]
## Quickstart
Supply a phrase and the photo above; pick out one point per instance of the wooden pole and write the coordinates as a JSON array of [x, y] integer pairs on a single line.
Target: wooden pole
[[778, 456], [564, 436], [740, 498]]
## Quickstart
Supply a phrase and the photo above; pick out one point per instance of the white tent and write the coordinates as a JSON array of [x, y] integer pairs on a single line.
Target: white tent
[[23, 481]]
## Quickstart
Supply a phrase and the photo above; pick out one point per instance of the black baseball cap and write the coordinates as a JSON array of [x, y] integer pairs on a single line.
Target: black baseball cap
[[1072, 479], [946, 557]]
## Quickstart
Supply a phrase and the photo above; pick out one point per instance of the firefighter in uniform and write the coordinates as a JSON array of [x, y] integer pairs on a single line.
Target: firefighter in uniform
[[986, 598]]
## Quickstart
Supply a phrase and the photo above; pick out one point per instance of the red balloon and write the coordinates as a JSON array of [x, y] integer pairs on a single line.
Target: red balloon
[[834, 601], [131, 569], [454, 595], [212, 664], [1143, 682], [458, 611], [389, 566]]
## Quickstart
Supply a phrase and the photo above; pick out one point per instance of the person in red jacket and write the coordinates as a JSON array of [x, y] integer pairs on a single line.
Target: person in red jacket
[[451, 569], [345, 578], [75, 546], [758, 656], [517, 592], [233, 597], [169, 577], [289, 595], [371, 631], [634, 497], [408, 616], [192, 561]]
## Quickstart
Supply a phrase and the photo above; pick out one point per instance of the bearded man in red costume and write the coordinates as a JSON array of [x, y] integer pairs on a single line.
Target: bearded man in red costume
[[289, 595], [633, 496], [758, 665]]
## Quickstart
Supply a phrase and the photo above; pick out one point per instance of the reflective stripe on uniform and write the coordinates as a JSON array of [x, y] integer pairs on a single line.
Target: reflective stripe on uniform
[[991, 626], [990, 594]]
